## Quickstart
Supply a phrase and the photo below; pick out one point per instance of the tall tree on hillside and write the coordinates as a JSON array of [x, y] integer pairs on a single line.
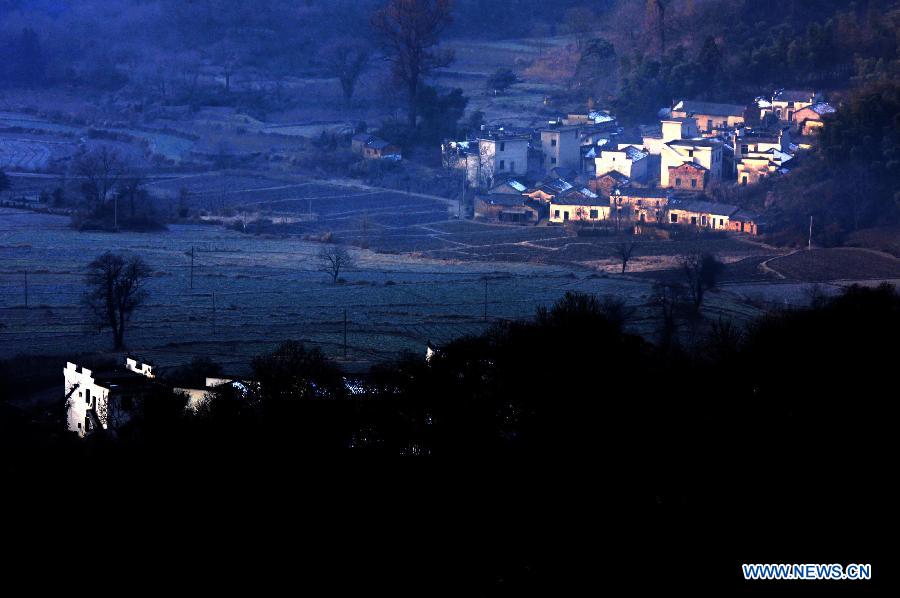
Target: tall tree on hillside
[[115, 289], [409, 31], [347, 59], [655, 27]]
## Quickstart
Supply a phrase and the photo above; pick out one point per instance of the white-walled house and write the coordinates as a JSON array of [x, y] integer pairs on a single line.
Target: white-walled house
[[628, 160], [702, 152], [104, 400], [498, 156], [562, 147]]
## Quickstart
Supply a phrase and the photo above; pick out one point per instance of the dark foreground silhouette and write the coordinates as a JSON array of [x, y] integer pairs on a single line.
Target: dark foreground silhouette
[[542, 458]]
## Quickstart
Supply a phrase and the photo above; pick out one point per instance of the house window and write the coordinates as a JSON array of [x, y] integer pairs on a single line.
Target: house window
[[744, 180], [566, 215], [690, 153], [553, 143], [674, 217], [678, 182], [693, 183], [703, 220], [87, 396], [709, 125], [694, 220], [553, 160], [556, 213], [502, 164], [512, 166], [745, 149], [642, 216], [502, 147], [594, 215]]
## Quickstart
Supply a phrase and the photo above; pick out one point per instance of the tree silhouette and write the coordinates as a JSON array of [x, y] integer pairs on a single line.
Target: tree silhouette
[[409, 31], [115, 289]]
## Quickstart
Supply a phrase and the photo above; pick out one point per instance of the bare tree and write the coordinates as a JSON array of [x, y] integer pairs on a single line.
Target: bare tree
[[347, 59], [409, 31], [667, 297], [701, 273], [130, 188], [115, 289], [486, 165], [624, 251], [334, 260], [101, 170]]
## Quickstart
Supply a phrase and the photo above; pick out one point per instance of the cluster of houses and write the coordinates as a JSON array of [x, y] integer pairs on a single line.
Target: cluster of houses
[[108, 398], [584, 168]]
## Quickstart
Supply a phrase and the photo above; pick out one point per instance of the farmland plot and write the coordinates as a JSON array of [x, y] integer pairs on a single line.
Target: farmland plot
[[250, 293]]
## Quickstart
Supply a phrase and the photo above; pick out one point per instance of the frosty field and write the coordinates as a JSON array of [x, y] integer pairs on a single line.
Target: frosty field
[[252, 292]]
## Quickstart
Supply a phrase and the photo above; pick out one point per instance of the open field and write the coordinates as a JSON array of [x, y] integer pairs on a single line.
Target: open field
[[252, 292], [842, 263]]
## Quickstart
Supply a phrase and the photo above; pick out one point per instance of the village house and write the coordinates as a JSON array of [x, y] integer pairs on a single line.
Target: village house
[[710, 116], [759, 154], [608, 182], [374, 148], [702, 214], [786, 102], [670, 129], [628, 160], [548, 189], [505, 203], [702, 152], [591, 151], [578, 205], [499, 155], [689, 176], [105, 400], [809, 120], [754, 141], [197, 396], [599, 120], [745, 221], [640, 205], [561, 146]]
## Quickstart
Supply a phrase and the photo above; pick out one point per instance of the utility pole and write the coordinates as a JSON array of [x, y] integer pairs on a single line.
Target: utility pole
[[192, 266], [809, 243], [345, 334]]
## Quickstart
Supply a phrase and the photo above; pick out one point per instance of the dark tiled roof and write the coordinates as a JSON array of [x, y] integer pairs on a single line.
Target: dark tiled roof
[[689, 165], [648, 193], [746, 216], [704, 207], [696, 143], [578, 198], [794, 95], [615, 174], [711, 108]]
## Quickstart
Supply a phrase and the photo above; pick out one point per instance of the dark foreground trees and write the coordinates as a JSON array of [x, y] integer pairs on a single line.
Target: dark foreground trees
[[116, 287], [521, 441]]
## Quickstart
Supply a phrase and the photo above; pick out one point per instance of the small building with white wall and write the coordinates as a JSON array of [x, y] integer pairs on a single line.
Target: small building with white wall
[[105, 400]]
